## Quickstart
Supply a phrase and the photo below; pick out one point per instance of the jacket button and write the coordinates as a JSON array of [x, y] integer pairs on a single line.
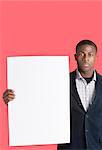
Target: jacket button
[[79, 104], [86, 130], [87, 116]]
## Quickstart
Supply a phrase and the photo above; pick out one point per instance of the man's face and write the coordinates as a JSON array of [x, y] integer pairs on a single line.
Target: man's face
[[85, 58]]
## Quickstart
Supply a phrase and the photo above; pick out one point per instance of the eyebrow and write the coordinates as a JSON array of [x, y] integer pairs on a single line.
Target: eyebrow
[[83, 51]]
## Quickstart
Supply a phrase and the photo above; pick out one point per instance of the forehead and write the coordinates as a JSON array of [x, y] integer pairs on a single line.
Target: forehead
[[86, 48]]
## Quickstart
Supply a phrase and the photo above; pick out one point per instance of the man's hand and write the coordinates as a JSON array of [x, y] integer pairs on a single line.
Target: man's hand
[[8, 96]]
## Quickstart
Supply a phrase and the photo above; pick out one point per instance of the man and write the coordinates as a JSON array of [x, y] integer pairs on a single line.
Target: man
[[86, 101]]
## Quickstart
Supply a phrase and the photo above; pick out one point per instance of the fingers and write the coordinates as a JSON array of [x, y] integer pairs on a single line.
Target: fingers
[[8, 95], [8, 91], [8, 98]]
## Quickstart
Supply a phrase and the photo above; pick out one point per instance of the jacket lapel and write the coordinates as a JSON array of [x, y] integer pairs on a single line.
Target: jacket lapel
[[73, 89], [98, 87]]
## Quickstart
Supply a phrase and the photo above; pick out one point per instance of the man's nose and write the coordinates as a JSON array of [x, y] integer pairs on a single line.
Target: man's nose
[[86, 58]]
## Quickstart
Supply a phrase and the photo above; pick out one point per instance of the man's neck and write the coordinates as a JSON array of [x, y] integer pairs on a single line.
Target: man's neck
[[87, 74]]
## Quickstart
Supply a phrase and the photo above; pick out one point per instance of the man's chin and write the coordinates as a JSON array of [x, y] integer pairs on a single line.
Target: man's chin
[[86, 70]]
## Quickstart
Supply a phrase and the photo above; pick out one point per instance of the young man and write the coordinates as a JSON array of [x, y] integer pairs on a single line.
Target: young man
[[86, 101]]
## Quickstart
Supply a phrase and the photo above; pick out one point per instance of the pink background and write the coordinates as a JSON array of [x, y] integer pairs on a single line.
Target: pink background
[[44, 28]]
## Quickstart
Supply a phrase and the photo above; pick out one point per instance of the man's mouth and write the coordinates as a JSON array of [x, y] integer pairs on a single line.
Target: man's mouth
[[85, 65]]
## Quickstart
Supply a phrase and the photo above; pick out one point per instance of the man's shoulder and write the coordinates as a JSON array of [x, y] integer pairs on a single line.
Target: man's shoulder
[[98, 76], [73, 73]]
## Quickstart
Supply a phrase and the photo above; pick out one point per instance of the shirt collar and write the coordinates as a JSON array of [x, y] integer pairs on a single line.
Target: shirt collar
[[79, 76]]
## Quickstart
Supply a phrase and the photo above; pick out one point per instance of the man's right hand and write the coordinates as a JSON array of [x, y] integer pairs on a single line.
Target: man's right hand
[[8, 96]]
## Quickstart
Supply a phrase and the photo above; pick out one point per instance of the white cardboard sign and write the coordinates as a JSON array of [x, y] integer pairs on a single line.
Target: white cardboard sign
[[40, 113]]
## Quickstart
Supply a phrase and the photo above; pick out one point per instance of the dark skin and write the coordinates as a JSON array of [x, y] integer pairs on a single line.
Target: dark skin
[[85, 57], [8, 96]]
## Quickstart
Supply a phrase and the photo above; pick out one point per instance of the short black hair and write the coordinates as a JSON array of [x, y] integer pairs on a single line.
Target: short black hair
[[85, 42]]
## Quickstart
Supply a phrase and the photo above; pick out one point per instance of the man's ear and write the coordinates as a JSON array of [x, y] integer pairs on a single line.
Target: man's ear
[[75, 56]]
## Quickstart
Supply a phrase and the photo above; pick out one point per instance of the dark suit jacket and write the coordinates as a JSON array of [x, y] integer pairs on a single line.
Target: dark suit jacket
[[86, 127]]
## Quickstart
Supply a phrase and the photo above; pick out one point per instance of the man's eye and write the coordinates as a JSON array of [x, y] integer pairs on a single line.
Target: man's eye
[[90, 54], [80, 54]]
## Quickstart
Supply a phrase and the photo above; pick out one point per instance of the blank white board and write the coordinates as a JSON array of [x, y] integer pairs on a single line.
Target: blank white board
[[40, 113]]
